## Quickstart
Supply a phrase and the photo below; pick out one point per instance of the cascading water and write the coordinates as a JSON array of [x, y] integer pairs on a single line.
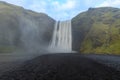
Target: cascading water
[[62, 37]]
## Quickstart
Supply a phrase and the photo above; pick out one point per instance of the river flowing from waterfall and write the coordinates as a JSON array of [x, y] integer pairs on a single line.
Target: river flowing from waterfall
[[62, 37]]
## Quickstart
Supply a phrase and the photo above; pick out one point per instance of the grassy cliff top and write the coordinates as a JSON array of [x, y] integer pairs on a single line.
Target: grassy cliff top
[[101, 30]]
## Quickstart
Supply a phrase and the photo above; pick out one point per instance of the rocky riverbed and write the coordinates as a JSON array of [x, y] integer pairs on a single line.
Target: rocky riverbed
[[62, 67], [108, 60]]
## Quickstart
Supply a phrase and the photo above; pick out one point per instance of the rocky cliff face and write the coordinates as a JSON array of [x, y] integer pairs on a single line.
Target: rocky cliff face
[[23, 29], [94, 31], [97, 31]]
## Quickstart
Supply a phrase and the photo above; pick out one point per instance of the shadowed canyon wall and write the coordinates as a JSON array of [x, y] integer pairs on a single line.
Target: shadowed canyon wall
[[23, 29]]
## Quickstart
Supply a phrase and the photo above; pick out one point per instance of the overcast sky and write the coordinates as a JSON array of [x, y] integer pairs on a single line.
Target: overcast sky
[[63, 9]]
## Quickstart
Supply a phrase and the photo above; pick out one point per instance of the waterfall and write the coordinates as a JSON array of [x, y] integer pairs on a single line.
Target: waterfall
[[62, 37]]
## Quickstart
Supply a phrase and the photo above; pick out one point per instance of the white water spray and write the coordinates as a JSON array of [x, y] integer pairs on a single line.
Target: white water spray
[[62, 37]]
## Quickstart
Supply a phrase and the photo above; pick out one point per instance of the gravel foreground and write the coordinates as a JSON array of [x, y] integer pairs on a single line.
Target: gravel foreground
[[64, 66], [108, 60]]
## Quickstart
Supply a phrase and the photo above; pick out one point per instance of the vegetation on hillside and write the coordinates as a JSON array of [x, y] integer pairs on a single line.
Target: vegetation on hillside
[[21, 28], [103, 30]]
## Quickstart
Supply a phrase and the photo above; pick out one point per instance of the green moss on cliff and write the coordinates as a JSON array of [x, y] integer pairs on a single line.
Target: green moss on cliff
[[103, 35], [23, 29], [7, 49]]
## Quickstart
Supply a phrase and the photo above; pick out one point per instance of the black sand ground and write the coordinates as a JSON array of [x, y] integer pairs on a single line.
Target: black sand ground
[[62, 67]]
